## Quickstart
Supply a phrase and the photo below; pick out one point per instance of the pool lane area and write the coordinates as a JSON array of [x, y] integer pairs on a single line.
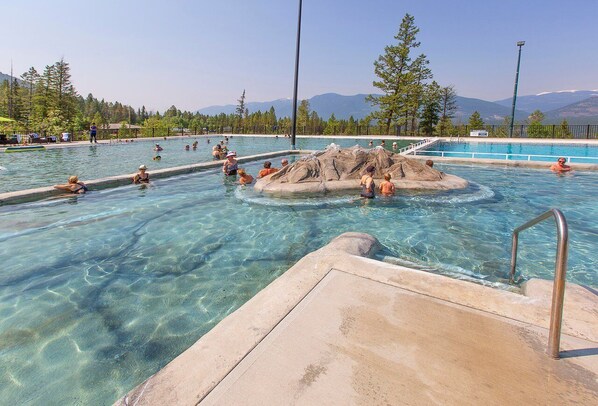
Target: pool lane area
[[578, 153], [118, 282]]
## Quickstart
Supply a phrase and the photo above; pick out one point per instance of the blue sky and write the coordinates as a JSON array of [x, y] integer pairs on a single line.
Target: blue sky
[[199, 53]]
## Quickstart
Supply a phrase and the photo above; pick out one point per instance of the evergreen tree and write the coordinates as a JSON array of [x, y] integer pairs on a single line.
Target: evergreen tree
[[419, 73], [431, 108], [393, 70], [564, 131], [475, 121], [448, 101], [331, 126], [303, 115]]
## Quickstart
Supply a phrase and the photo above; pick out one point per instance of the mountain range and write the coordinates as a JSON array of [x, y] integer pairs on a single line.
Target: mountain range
[[578, 107]]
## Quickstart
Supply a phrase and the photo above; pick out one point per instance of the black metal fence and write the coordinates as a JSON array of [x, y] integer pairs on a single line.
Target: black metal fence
[[573, 131]]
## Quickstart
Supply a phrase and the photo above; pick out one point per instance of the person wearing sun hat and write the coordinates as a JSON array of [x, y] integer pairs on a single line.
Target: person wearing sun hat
[[142, 176], [230, 166]]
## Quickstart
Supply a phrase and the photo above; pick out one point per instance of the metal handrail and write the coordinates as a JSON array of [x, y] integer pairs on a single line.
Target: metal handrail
[[558, 289]]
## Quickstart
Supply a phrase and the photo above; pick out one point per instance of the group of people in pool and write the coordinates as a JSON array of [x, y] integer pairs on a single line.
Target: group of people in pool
[[231, 168], [395, 146]]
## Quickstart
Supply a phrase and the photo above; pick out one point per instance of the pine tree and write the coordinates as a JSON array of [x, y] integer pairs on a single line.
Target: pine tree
[[475, 121], [431, 108], [393, 70], [303, 115], [419, 73], [448, 101]]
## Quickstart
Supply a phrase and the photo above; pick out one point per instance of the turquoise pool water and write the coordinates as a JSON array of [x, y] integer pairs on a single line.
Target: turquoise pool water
[[578, 153], [26, 170], [97, 292]]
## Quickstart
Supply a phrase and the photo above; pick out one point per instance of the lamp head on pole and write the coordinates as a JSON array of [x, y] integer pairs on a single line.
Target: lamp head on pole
[[520, 43]]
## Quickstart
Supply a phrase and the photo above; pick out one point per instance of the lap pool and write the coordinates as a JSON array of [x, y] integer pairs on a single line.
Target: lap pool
[[99, 291], [26, 170], [518, 151]]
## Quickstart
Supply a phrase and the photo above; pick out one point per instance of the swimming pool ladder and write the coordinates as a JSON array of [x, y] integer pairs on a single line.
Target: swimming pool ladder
[[558, 288]]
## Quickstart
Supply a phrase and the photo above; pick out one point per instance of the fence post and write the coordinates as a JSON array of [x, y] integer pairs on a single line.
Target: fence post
[[588, 133], [168, 133], [553, 127], [521, 132]]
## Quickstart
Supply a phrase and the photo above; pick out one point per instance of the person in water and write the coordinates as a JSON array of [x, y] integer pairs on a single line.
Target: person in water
[[157, 158], [430, 163], [73, 186], [230, 166], [187, 147], [268, 170], [284, 162], [371, 143], [560, 166], [395, 146], [142, 176], [244, 177], [387, 188], [217, 152], [368, 187], [158, 148]]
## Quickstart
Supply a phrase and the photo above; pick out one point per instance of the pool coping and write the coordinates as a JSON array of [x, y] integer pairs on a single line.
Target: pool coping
[[195, 373]]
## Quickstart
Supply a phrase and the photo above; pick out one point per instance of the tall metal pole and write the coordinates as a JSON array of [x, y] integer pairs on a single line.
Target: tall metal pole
[[519, 44], [294, 123]]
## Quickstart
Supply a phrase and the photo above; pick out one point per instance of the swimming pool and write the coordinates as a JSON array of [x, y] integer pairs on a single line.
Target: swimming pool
[[116, 283], [32, 169], [576, 153]]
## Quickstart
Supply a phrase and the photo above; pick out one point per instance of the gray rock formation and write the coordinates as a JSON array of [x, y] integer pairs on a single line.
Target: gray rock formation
[[341, 169]]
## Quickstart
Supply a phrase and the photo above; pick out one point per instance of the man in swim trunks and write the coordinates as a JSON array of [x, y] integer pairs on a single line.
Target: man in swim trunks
[[560, 166], [93, 132]]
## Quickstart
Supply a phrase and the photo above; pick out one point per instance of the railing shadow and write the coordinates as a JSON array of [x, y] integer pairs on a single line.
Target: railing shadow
[[582, 352]]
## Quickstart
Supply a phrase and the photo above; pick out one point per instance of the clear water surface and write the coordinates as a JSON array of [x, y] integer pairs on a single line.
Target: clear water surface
[[579, 153], [26, 170], [97, 292]]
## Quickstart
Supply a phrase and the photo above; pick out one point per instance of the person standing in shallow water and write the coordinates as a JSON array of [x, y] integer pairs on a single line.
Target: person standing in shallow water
[[368, 187], [93, 132]]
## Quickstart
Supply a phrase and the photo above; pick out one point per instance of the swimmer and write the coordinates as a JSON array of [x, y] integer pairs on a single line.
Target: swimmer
[[387, 188], [142, 176], [383, 143], [368, 187], [187, 147], [158, 148], [560, 166], [371, 143], [268, 170], [284, 162], [395, 145], [157, 158], [73, 186], [230, 166], [244, 177]]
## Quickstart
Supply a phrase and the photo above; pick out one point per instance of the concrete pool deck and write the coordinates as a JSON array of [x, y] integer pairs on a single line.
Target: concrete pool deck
[[341, 328]]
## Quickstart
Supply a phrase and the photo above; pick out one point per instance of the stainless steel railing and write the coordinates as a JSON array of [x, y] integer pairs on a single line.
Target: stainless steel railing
[[558, 289]]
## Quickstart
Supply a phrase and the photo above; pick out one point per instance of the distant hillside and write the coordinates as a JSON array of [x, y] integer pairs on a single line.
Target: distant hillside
[[4, 76], [345, 106], [490, 112], [549, 100], [582, 112]]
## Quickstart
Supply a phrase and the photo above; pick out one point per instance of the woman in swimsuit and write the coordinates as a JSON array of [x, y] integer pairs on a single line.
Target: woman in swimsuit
[[74, 186], [230, 166], [368, 187], [142, 176]]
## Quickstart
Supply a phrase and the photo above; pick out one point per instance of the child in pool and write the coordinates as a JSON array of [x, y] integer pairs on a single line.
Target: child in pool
[[387, 188]]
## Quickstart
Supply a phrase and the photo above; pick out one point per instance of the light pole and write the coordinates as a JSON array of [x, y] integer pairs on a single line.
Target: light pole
[[519, 44], [294, 123]]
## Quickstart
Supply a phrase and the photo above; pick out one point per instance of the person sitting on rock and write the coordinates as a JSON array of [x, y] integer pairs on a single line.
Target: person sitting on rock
[[387, 188], [368, 187], [244, 177], [268, 170]]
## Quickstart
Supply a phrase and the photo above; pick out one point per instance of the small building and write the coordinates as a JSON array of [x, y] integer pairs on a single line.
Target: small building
[[478, 133]]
